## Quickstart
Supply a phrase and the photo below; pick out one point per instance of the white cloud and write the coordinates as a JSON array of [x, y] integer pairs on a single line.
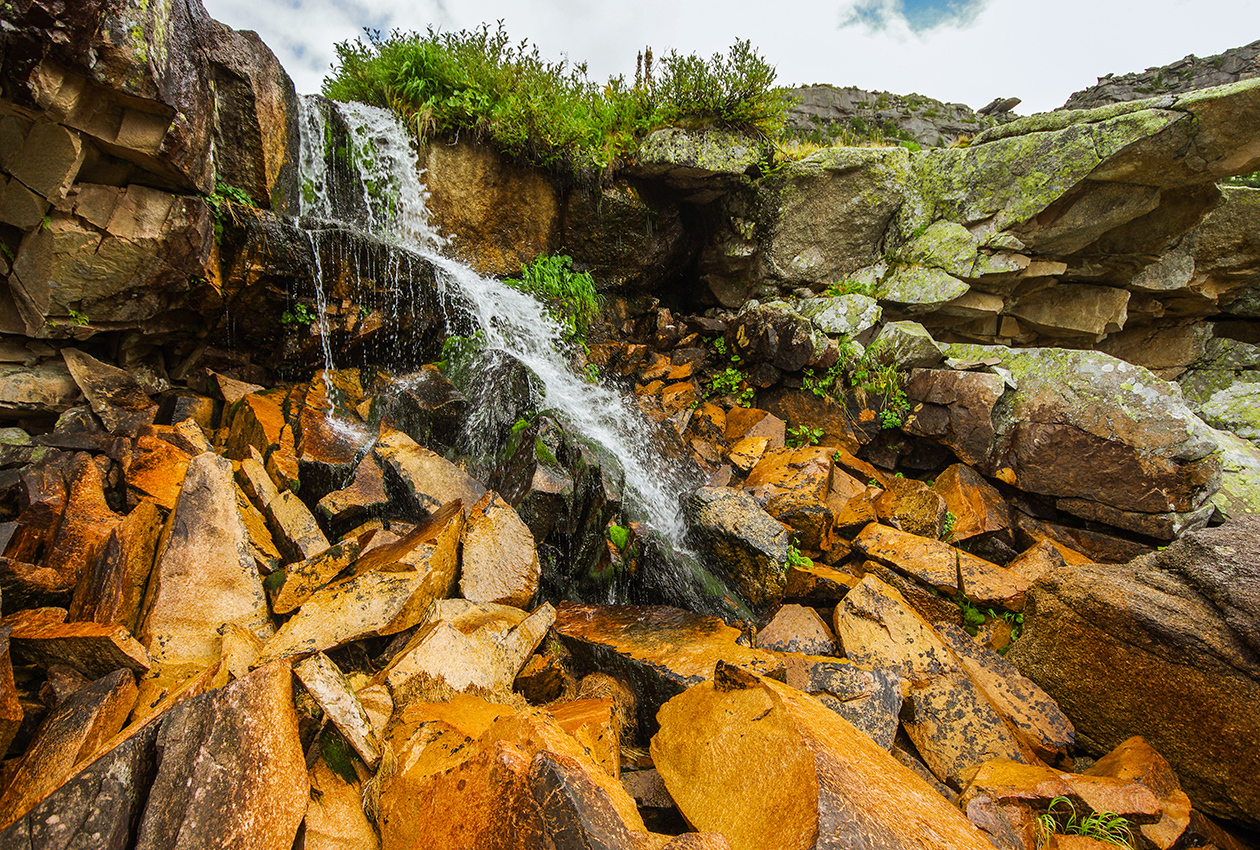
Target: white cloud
[[1041, 52]]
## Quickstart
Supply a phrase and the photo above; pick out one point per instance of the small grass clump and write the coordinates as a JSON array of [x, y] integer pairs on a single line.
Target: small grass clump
[[549, 113], [569, 295], [1107, 827]]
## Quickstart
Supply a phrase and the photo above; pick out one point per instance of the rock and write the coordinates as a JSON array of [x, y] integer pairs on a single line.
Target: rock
[[42, 390], [929, 122], [912, 506], [205, 575], [257, 421], [334, 816], [1139, 440], [293, 526], [593, 723], [469, 657], [956, 410], [256, 120], [1184, 75], [116, 397], [1035, 718], [11, 714], [977, 506], [1170, 620], [942, 566], [156, 472], [499, 562], [92, 649], [327, 686], [817, 584], [85, 527], [1074, 310], [576, 812], [767, 766], [388, 592], [746, 543], [701, 163], [950, 720], [71, 733], [303, 579], [828, 211], [919, 289], [792, 485], [98, 807], [660, 651], [772, 333], [230, 768], [365, 497], [869, 699], [635, 243], [846, 315], [797, 629], [499, 215], [425, 480], [907, 345]]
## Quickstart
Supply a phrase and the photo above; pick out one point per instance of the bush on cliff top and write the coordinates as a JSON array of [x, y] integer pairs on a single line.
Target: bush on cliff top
[[549, 113]]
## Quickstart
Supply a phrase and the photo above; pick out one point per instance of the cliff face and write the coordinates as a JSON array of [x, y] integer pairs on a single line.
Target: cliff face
[[838, 113]]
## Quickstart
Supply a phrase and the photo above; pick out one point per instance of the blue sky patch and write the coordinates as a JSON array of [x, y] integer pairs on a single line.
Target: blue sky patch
[[919, 15]]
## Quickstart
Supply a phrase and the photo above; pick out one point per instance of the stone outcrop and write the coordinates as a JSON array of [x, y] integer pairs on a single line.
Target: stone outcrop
[[1181, 625], [847, 113], [1188, 74]]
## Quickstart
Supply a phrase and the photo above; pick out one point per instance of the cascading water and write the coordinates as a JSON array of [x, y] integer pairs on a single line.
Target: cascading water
[[386, 198]]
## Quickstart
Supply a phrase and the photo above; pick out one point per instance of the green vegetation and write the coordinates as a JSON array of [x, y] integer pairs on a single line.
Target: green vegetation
[[1251, 181], [851, 287], [872, 377], [974, 617], [728, 382], [804, 435], [947, 532], [1107, 827], [299, 315], [619, 535], [570, 296], [796, 559], [549, 113], [825, 385]]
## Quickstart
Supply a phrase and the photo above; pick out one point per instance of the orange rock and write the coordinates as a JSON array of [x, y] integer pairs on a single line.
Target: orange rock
[[1037, 560], [114, 592], [747, 453], [72, 731], [256, 421], [792, 486], [303, 579], [796, 628], [708, 423], [334, 816], [11, 713], [950, 721], [499, 561], [93, 649], [769, 767], [977, 506], [817, 584], [677, 397], [750, 422], [592, 723], [87, 524], [155, 472], [940, 565], [912, 506]]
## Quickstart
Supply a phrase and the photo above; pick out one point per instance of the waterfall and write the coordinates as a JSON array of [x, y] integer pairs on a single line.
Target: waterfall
[[374, 185]]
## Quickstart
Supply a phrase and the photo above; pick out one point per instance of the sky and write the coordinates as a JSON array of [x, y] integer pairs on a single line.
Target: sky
[[959, 51]]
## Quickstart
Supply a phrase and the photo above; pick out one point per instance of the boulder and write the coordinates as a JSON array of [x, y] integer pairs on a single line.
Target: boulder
[[949, 718], [943, 567], [660, 651], [205, 575], [334, 816], [302, 580], [388, 591], [230, 769], [955, 409], [499, 562], [73, 732], [702, 164], [1182, 623], [869, 699], [423, 479], [796, 628], [913, 507], [116, 397], [792, 486], [977, 506], [324, 681], [745, 543], [767, 766], [1109, 440], [45, 389]]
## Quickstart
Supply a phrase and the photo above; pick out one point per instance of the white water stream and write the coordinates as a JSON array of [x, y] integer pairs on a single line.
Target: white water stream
[[392, 203]]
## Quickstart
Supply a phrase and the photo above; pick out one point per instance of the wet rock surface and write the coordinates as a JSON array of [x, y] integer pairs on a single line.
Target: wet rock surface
[[963, 532]]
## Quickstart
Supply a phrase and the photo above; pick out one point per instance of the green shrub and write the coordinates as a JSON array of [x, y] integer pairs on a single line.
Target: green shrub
[[569, 295], [549, 113]]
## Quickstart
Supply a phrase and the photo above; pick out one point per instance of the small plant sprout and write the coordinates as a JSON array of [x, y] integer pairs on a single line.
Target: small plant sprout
[[947, 528], [619, 535], [796, 559], [1062, 818], [804, 435]]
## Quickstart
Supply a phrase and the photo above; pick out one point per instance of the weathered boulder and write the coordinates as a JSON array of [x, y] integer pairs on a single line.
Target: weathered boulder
[[768, 766], [1109, 440], [498, 215], [629, 240], [792, 484], [499, 562], [1182, 624], [230, 769], [660, 651], [869, 699], [700, 163], [949, 718], [796, 628], [746, 544], [205, 575]]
